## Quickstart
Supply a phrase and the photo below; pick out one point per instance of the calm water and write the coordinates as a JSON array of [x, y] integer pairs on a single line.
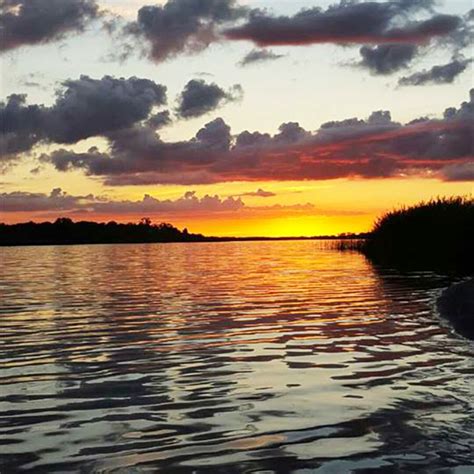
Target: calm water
[[233, 357]]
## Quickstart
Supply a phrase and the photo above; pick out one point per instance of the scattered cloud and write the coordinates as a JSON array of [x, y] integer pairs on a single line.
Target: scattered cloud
[[33, 80], [387, 58], [444, 74], [185, 27], [59, 202], [203, 74], [27, 83], [32, 22], [257, 56], [199, 98], [347, 23], [182, 26], [259, 193]]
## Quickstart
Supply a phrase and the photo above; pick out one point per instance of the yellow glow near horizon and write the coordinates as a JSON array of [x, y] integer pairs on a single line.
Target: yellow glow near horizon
[[300, 226], [343, 205]]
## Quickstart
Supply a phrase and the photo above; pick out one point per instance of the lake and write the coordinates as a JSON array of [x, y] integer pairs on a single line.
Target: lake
[[227, 357]]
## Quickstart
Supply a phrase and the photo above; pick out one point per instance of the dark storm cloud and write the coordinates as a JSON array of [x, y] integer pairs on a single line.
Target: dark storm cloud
[[387, 58], [372, 147], [182, 26], [30, 22], [444, 74], [346, 23], [259, 56], [199, 98], [83, 108]]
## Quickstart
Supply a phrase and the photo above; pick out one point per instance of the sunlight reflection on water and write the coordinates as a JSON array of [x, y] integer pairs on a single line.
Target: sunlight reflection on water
[[230, 357]]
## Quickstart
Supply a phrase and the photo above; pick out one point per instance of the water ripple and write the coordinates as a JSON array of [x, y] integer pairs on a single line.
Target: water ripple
[[235, 357]]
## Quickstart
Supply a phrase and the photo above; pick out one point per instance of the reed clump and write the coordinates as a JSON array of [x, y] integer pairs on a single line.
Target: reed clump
[[435, 235], [347, 245]]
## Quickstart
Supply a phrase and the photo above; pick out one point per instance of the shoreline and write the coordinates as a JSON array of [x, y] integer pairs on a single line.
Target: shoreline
[[456, 304], [190, 241]]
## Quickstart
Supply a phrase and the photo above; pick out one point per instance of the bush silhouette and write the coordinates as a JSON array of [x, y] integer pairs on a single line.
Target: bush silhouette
[[438, 234]]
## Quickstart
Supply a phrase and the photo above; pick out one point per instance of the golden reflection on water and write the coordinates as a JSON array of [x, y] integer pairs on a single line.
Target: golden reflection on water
[[258, 355]]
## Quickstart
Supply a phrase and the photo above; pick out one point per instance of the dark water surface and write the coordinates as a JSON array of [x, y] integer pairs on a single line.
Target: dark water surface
[[231, 357]]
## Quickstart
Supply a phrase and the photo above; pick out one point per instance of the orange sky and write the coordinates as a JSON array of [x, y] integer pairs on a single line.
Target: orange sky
[[321, 111], [337, 206]]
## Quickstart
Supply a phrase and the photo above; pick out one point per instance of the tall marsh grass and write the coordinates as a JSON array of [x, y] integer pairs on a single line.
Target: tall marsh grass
[[438, 234]]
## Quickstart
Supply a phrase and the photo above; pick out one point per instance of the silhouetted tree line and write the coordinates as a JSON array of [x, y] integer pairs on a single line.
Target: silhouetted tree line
[[65, 231], [434, 235]]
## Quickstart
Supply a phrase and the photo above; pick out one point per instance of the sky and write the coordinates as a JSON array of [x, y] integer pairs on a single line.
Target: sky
[[242, 118]]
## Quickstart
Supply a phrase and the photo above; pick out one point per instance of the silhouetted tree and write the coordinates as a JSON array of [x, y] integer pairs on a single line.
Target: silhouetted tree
[[65, 231], [145, 221]]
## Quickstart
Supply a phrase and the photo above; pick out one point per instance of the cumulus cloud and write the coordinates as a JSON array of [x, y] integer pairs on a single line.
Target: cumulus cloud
[[90, 107], [387, 58], [190, 202], [21, 125], [182, 26], [444, 74], [59, 203], [160, 120], [372, 147], [199, 98], [259, 56], [58, 200], [347, 23], [83, 108], [31, 22]]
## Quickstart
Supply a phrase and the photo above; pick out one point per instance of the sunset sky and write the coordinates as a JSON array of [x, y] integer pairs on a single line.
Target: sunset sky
[[250, 118]]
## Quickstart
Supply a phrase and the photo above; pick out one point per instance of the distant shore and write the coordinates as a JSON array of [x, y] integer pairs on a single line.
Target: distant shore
[[64, 231], [200, 240], [456, 304]]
